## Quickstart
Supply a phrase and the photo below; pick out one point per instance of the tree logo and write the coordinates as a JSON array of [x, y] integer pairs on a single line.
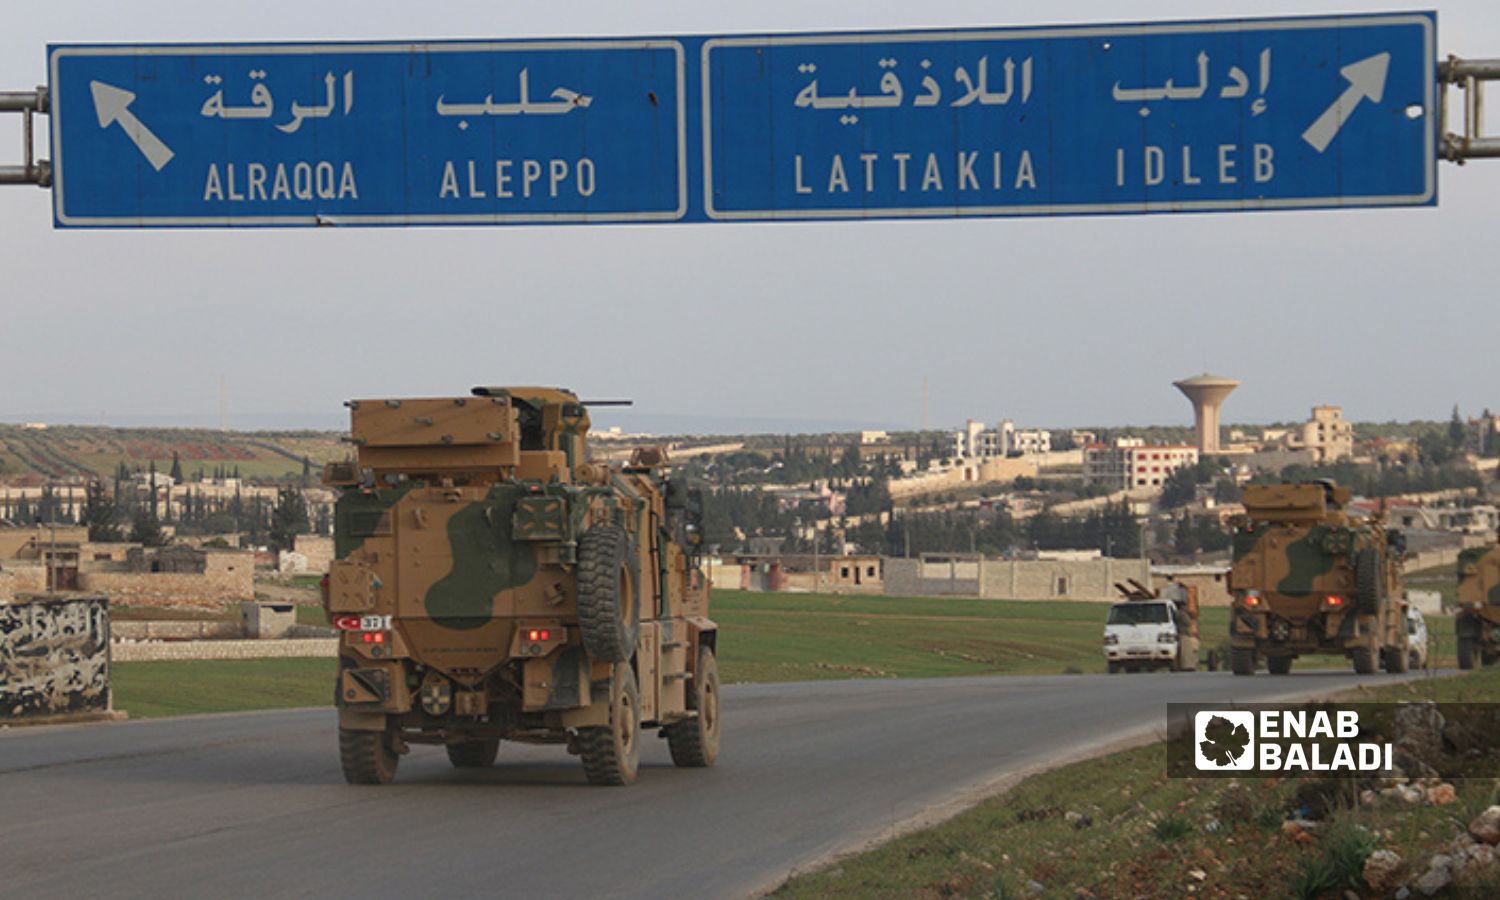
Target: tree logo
[[1224, 740]]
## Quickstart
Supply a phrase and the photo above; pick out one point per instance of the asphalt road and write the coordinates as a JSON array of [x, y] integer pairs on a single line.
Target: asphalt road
[[253, 804]]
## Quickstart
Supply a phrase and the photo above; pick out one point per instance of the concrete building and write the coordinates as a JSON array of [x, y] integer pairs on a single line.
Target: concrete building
[[1484, 434], [977, 442], [1325, 436], [1127, 463], [1207, 394]]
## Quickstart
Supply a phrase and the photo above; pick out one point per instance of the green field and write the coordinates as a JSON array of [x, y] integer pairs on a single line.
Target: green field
[[764, 638], [150, 690]]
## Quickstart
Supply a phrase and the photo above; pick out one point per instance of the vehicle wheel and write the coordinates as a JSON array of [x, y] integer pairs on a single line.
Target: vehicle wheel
[[1396, 660], [1364, 660], [367, 757], [1466, 653], [611, 753], [609, 612], [1369, 581], [1487, 657], [1242, 660], [1279, 665], [695, 742], [474, 754], [1114, 668], [1212, 663], [1413, 660]]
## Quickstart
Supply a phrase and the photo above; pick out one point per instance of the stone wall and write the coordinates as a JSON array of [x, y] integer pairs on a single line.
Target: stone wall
[[178, 631], [220, 585], [54, 658], [1045, 579], [1023, 579], [169, 650], [317, 549], [21, 578]]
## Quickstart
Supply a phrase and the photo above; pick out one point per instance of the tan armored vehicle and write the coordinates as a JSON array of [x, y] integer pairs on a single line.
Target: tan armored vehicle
[[490, 583], [1308, 578], [1477, 619]]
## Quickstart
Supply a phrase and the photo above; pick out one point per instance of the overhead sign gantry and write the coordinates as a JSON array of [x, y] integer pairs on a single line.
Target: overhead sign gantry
[[1317, 112]]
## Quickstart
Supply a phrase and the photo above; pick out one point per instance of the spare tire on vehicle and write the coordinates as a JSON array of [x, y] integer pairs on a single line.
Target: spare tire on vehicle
[[1369, 581], [609, 610]]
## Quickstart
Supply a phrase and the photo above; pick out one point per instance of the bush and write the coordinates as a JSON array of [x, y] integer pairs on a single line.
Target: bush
[[1173, 828]]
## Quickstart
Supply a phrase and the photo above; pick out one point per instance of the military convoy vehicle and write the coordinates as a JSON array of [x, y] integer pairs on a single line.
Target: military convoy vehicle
[[491, 583], [1309, 578], [1476, 622], [1152, 629]]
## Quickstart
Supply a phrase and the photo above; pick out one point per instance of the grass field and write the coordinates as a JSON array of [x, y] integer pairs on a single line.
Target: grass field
[[1147, 835], [150, 690], [778, 637]]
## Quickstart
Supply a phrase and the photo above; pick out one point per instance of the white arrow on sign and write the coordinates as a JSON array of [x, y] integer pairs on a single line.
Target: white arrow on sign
[[1366, 81], [113, 105]]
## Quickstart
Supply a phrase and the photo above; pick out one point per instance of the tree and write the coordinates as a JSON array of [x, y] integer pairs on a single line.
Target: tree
[[99, 514], [1226, 491], [176, 472], [1179, 488], [146, 530], [288, 519], [1458, 433]]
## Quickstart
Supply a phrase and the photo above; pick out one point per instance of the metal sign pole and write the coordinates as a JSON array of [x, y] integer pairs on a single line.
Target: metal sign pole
[[32, 170], [1469, 76]]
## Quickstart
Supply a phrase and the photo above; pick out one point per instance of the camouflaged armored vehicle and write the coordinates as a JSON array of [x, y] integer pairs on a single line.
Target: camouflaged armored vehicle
[[491, 583], [1308, 578], [1477, 619]]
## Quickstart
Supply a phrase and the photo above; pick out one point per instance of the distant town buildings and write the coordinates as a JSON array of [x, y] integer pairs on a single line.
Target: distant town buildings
[[1129, 463], [1326, 436], [1484, 434], [977, 442]]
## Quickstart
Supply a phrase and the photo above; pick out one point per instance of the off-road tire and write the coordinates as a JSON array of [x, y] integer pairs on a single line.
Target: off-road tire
[[695, 742], [611, 753], [1242, 660], [367, 757], [1488, 657], [1369, 581], [1279, 665], [1396, 660], [1364, 659], [478, 754], [609, 609], [1466, 653]]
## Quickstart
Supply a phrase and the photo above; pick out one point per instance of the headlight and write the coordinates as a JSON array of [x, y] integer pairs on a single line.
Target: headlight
[[1166, 637], [1111, 639]]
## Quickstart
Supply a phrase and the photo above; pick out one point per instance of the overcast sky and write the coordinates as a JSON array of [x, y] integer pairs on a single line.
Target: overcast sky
[[1050, 322]]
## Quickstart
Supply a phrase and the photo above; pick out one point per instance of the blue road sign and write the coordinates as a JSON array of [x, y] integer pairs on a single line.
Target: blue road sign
[[380, 134], [1184, 116]]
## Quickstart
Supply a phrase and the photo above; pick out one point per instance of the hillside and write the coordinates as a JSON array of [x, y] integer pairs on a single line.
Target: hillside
[[34, 455]]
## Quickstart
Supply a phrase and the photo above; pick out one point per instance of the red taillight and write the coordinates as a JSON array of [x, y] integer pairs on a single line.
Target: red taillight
[[1252, 600], [374, 637], [1334, 600], [538, 634]]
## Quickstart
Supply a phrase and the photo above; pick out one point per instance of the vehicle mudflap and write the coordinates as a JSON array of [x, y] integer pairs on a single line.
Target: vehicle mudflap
[[557, 682], [361, 720]]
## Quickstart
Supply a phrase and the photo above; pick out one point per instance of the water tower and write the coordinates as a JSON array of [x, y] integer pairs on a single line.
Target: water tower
[[1207, 393]]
